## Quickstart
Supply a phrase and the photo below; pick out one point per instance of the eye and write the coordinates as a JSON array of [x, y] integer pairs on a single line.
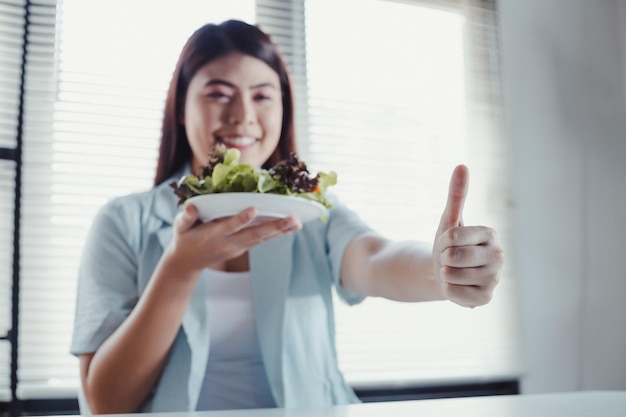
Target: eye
[[219, 95], [262, 97], [265, 94]]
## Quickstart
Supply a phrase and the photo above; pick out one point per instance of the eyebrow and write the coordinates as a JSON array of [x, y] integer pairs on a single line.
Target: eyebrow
[[218, 81]]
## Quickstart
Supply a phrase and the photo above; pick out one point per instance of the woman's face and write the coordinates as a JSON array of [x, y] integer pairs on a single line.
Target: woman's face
[[235, 100]]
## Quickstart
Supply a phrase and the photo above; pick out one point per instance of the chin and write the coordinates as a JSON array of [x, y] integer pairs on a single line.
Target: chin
[[252, 160]]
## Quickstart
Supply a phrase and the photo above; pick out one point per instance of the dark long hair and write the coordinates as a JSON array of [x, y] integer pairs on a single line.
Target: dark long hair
[[210, 42]]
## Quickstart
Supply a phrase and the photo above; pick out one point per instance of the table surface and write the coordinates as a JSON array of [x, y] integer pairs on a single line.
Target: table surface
[[574, 404]]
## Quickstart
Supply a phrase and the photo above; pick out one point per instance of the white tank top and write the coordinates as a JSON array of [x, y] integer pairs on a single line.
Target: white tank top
[[235, 376]]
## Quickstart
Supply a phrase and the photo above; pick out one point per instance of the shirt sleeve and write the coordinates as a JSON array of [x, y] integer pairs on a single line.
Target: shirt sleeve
[[343, 226], [107, 280]]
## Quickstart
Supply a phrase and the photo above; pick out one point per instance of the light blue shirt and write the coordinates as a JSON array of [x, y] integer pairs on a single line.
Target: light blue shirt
[[292, 281]]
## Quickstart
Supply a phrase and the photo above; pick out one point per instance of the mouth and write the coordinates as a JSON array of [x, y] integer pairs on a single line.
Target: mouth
[[237, 141]]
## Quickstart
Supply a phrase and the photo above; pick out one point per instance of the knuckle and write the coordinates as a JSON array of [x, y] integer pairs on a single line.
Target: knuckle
[[496, 278], [452, 256], [499, 256], [453, 234], [444, 273], [235, 223], [457, 254]]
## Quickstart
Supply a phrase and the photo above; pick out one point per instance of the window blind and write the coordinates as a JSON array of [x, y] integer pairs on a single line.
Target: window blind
[[93, 135], [11, 36], [11, 51], [284, 20], [42, 297], [395, 103], [7, 186]]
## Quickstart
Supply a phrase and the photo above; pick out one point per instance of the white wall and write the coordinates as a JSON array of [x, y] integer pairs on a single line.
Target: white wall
[[564, 84]]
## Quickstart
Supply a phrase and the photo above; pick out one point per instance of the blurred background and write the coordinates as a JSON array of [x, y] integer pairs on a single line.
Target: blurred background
[[389, 94]]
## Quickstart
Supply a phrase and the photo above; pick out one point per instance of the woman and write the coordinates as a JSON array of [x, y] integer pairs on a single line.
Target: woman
[[174, 314]]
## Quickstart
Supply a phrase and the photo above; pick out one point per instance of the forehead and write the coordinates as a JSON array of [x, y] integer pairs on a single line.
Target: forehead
[[238, 69]]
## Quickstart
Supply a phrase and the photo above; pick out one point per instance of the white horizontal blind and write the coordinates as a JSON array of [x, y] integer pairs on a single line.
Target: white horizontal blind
[[96, 137], [7, 196], [7, 187], [41, 239], [284, 20], [5, 371], [11, 36], [399, 93], [11, 51]]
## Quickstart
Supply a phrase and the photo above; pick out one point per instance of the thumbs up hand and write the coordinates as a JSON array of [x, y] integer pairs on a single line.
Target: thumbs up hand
[[467, 259]]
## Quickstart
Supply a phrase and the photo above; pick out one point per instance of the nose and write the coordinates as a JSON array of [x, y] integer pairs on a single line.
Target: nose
[[240, 111]]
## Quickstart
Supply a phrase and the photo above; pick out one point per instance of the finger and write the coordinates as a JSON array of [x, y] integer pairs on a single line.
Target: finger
[[268, 230], [467, 256], [484, 276], [472, 256], [243, 240], [467, 236], [186, 219], [468, 296], [453, 213], [239, 221]]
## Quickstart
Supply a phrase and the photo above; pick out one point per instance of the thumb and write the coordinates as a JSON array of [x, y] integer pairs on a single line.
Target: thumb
[[453, 213], [186, 219]]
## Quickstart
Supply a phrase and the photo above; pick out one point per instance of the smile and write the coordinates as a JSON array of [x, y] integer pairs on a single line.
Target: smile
[[238, 141]]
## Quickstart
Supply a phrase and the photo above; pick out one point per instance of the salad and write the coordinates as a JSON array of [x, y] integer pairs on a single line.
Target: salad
[[225, 174]]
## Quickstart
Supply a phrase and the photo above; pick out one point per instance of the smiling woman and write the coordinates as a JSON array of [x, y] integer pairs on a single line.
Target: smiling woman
[[107, 112]]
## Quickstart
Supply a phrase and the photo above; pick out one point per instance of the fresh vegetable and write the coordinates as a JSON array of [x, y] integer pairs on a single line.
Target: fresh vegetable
[[224, 174]]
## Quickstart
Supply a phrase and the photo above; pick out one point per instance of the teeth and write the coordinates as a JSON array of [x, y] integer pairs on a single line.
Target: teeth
[[239, 141]]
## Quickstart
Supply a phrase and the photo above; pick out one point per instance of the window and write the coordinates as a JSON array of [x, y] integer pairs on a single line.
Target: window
[[98, 139], [391, 107], [11, 44], [394, 104]]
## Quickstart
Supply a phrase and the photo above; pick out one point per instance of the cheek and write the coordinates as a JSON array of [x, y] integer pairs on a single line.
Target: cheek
[[273, 122], [194, 114], [199, 122]]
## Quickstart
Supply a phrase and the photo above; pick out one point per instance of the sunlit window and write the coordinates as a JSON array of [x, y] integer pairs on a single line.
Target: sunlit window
[[391, 110]]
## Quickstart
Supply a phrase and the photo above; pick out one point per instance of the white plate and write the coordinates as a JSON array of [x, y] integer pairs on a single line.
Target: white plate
[[270, 206]]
